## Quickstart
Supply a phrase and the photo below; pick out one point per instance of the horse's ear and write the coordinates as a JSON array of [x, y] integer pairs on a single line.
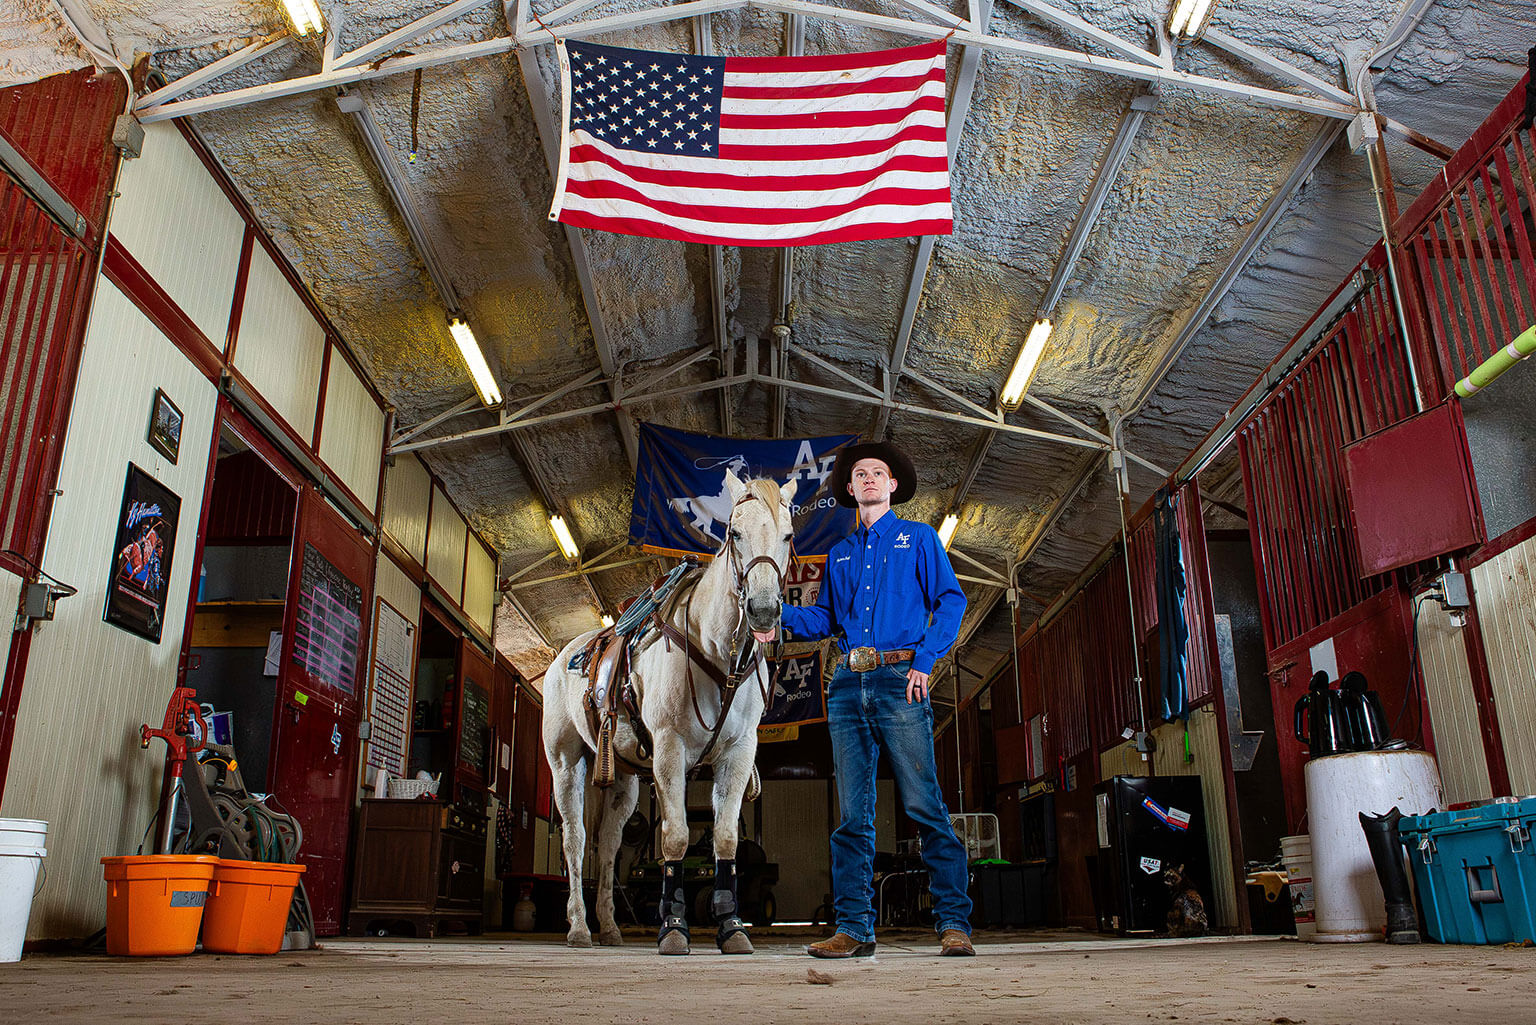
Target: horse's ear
[[733, 486], [787, 493]]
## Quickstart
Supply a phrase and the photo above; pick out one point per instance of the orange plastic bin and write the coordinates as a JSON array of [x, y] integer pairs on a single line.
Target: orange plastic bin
[[248, 906], [155, 902]]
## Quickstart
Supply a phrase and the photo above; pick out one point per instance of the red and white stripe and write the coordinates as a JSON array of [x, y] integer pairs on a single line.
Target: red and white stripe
[[812, 150]]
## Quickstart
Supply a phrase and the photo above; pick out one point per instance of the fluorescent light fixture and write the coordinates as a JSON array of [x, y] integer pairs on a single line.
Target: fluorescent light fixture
[[485, 384], [1189, 18], [563, 537], [1024, 367], [607, 619], [947, 529], [305, 15]]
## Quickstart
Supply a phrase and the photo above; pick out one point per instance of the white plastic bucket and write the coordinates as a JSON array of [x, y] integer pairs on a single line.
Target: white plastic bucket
[[21, 859], [1350, 907], [1296, 853]]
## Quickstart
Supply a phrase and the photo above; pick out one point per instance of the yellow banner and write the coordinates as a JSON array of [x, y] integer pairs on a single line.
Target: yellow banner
[[772, 734]]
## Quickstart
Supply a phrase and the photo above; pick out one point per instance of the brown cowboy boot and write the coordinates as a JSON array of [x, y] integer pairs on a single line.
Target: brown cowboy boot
[[954, 943], [841, 945]]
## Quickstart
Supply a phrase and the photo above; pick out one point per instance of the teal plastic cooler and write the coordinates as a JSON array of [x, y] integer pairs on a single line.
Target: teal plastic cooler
[[1475, 872]]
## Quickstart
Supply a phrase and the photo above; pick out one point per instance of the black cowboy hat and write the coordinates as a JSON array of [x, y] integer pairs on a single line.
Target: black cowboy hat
[[894, 458]]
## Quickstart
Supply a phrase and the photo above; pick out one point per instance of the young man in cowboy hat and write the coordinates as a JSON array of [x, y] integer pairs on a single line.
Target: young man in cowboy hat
[[891, 598]]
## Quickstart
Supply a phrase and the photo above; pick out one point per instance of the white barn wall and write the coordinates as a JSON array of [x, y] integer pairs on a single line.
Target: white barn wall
[[1506, 603], [352, 432], [480, 586], [174, 219], [10, 594], [445, 546], [281, 346], [1452, 706], [407, 495], [76, 760]]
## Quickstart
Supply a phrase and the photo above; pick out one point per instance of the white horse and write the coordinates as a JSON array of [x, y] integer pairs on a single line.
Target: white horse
[[689, 715]]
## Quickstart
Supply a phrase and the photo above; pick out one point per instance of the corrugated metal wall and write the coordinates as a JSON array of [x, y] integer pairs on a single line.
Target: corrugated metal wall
[[352, 433], [445, 546], [794, 815], [281, 346], [407, 495], [1452, 706], [1168, 760], [89, 685], [1506, 598], [177, 223], [480, 586]]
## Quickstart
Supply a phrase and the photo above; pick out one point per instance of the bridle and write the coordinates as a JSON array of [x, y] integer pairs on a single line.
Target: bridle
[[743, 656]]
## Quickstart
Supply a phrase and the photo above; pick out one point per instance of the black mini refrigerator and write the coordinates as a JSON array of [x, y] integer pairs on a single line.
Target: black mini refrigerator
[[1145, 827]]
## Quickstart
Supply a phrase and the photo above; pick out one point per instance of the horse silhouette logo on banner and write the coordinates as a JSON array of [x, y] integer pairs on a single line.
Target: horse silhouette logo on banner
[[682, 502]]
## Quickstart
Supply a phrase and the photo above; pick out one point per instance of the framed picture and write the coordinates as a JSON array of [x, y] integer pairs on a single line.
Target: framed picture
[[141, 559], [165, 425]]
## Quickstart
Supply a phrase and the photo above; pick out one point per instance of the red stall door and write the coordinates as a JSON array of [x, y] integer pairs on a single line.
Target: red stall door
[[315, 744]]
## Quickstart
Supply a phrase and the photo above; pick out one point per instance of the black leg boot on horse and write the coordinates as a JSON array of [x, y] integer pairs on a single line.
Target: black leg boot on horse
[[730, 930], [673, 935]]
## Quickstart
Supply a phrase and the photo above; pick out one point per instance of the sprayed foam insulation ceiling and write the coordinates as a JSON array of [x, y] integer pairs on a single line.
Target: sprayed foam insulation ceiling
[[1198, 176]]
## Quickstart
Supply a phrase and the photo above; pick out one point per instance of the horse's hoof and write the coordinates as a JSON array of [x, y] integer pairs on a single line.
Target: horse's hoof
[[578, 939], [611, 937], [672, 943], [736, 943]]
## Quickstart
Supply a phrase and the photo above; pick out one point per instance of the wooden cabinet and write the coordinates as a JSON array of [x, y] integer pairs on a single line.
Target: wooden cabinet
[[416, 864]]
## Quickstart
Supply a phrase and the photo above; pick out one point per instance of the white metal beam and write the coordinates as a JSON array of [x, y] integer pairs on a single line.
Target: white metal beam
[[473, 402], [1322, 142], [960, 108], [837, 371], [223, 66], [543, 115], [385, 45], [1072, 23]]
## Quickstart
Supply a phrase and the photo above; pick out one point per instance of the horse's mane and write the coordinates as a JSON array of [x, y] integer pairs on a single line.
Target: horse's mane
[[768, 491]]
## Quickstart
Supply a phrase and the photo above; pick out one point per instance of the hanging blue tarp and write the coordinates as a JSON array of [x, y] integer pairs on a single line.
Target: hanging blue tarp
[[1172, 630], [681, 502]]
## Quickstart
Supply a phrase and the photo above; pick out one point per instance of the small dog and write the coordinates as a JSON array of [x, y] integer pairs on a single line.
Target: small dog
[[1186, 910]]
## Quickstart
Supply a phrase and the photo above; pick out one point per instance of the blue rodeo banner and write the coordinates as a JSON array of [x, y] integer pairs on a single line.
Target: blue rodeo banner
[[680, 499], [797, 696]]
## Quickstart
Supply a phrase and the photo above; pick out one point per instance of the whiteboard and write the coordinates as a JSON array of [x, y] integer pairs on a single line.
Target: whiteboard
[[389, 698]]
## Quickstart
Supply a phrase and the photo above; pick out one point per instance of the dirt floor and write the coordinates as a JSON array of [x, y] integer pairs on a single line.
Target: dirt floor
[[1041, 978]]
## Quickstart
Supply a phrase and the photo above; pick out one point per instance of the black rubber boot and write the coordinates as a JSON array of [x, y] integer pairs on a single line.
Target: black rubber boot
[[672, 938], [1387, 852], [730, 930]]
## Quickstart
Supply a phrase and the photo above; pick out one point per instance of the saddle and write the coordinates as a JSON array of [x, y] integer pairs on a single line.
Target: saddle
[[606, 658]]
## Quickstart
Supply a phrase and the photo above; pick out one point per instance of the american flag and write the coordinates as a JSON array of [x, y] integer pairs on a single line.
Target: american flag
[[754, 151]]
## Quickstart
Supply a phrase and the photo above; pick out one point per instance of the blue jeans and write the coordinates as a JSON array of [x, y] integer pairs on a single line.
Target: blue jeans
[[865, 713]]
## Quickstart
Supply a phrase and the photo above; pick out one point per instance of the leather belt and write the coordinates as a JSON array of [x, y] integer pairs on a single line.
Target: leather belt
[[862, 660]]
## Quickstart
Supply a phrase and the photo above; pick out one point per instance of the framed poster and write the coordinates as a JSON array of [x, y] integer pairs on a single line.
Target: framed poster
[[141, 561], [165, 425]]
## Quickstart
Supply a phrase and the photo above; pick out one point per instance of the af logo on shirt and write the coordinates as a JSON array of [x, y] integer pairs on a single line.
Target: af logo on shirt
[[903, 540]]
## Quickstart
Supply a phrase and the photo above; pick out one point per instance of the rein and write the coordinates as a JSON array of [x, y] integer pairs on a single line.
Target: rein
[[744, 656]]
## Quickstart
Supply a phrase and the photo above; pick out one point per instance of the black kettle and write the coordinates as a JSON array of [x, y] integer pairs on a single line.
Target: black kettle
[[1327, 728], [1364, 720]]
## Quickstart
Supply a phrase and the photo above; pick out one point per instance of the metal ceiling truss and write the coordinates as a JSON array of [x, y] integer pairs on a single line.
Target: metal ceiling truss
[[375, 59]]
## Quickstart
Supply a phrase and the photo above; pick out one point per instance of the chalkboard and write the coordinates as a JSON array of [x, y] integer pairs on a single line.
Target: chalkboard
[[474, 725], [330, 624]]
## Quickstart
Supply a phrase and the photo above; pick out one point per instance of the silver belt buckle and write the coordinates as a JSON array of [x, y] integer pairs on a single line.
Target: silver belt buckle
[[862, 660]]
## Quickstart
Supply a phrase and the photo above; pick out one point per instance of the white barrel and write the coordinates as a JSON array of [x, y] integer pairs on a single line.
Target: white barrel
[[1296, 854], [1350, 906], [21, 857]]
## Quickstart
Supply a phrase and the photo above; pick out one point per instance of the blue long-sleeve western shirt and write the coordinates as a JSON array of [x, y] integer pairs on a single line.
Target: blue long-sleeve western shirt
[[888, 587]]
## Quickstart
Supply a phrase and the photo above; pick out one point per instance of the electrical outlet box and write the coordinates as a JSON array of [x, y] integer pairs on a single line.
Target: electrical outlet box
[[1363, 132], [128, 136], [1454, 588], [37, 601]]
